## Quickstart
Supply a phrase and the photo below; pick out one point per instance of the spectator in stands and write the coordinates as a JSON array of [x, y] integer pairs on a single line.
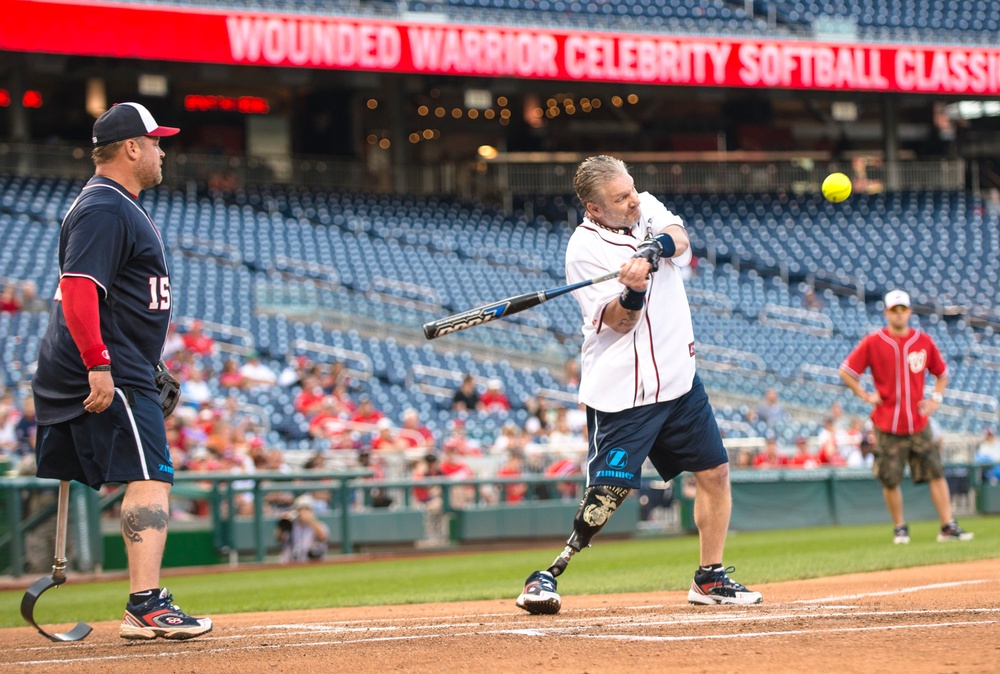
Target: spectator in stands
[[988, 453], [386, 438], [10, 300], [899, 358], [514, 467], [453, 467], [367, 413], [8, 426], [197, 341], [425, 468], [562, 437], [571, 373], [336, 377], [30, 301], [257, 375], [26, 429], [494, 399], [303, 536], [327, 421], [415, 434], [510, 436], [459, 442], [811, 301], [376, 496], [803, 458], [849, 442], [541, 417], [195, 390], [310, 399], [829, 450], [837, 414], [430, 499], [230, 376], [466, 398], [769, 456], [296, 370], [770, 410], [173, 343], [744, 458], [346, 403], [564, 468]]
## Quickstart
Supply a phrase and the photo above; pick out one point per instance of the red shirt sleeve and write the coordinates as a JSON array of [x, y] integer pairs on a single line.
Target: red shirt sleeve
[[858, 360], [935, 361], [83, 318]]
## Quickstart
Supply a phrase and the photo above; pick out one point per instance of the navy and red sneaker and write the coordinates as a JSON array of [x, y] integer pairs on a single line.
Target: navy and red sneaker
[[953, 532], [159, 617], [716, 587], [539, 594]]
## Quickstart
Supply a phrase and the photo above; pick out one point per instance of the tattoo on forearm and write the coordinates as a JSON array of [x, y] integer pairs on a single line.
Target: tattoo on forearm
[[629, 320], [137, 519]]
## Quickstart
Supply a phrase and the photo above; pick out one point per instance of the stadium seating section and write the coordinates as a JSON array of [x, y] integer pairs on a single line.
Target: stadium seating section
[[353, 277], [899, 20]]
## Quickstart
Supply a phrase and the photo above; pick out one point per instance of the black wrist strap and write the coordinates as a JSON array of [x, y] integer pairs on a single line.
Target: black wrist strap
[[633, 300], [100, 368]]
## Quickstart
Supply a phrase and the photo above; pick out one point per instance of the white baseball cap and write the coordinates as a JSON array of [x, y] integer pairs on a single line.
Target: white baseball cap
[[895, 298]]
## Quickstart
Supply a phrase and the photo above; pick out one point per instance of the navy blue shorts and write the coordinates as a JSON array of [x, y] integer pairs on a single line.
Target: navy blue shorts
[[678, 435], [124, 443]]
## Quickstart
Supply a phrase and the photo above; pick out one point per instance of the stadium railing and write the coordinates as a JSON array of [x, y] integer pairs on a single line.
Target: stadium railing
[[513, 173], [472, 511]]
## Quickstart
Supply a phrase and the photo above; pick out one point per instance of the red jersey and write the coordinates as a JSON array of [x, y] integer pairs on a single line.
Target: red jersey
[[899, 366]]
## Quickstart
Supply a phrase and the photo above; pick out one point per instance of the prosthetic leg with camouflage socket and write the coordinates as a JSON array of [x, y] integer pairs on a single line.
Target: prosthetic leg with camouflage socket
[[596, 507]]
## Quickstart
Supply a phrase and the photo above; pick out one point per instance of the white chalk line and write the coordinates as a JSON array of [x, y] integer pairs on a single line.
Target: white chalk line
[[754, 635], [884, 593], [552, 631], [563, 629]]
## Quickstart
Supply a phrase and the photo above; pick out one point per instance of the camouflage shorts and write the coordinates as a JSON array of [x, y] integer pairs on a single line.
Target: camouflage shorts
[[894, 452]]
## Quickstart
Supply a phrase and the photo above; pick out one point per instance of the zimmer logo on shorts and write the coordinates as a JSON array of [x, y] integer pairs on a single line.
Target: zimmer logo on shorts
[[617, 458]]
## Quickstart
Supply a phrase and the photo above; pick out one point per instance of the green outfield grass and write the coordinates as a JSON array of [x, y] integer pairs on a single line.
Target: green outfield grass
[[609, 567]]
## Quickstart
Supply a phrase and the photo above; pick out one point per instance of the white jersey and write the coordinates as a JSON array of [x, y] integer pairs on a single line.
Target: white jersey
[[654, 362]]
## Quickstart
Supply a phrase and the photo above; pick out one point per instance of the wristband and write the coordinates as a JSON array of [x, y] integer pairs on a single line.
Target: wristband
[[95, 355], [937, 397], [668, 245], [100, 368], [633, 300]]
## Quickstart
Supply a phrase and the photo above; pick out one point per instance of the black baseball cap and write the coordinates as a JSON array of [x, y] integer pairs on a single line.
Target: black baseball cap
[[128, 120]]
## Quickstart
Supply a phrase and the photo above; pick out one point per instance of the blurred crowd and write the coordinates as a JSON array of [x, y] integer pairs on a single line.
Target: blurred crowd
[[215, 429]]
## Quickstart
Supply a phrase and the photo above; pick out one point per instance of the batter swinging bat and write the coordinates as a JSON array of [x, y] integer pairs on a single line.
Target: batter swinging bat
[[503, 308]]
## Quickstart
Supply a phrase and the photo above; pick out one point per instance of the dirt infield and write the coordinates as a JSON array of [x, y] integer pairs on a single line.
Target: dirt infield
[[928, 619]]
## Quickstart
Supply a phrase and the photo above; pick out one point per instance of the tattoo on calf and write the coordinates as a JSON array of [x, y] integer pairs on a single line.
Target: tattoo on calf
[[137, 519]]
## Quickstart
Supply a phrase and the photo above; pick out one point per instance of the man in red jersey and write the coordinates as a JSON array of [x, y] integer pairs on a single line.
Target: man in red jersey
[[899, 357]]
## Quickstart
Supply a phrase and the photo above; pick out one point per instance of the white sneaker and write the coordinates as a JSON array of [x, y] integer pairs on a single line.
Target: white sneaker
[[539, 595], [716, 587]]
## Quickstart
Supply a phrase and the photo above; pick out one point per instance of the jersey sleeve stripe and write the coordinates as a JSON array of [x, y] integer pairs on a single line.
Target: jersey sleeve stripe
[[87, 276]]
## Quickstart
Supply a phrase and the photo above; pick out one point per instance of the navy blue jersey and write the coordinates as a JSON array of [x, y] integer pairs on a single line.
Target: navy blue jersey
[[106, 237]]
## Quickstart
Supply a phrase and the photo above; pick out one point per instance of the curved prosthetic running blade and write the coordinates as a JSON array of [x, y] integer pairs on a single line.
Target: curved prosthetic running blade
[[28, 611]]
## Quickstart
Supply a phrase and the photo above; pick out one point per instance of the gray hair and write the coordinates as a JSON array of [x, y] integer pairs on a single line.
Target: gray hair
[[593, 173]]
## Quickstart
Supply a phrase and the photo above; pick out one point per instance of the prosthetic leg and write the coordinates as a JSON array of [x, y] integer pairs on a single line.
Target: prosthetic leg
[[596, 507]]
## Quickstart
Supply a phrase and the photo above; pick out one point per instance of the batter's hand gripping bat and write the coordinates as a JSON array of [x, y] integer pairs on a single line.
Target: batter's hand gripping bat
[[503, 308]]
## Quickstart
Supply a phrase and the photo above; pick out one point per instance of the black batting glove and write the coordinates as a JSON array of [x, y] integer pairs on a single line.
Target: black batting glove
[[651, 250]]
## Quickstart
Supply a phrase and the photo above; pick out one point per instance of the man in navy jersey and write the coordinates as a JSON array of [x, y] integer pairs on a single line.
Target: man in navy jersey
[[99, 416]]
